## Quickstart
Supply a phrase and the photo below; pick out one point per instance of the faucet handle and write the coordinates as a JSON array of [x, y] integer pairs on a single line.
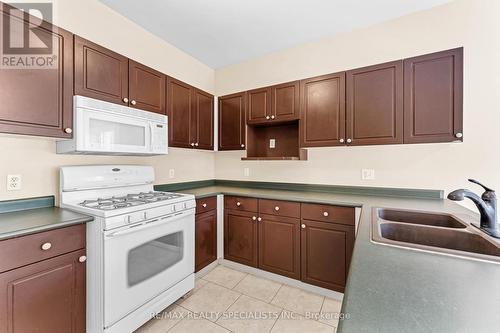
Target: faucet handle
[[478, 183]]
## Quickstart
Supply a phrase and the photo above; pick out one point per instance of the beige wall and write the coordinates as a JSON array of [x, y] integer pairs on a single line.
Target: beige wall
[[35, 158], [471, 24]]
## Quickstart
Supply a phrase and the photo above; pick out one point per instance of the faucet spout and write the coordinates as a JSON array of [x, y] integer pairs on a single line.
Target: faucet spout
[[486, 204]]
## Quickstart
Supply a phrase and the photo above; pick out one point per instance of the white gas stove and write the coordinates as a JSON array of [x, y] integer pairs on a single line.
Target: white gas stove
[[140, 247]]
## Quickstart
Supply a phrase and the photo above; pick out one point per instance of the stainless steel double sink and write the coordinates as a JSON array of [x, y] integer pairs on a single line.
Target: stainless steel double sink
[[432, 232]]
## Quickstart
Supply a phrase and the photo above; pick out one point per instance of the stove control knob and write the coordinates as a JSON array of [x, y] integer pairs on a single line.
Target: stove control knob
[[145, 215], [127, 219]]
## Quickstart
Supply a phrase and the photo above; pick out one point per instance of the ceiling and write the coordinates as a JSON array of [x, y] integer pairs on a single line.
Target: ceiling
[[224, 32]]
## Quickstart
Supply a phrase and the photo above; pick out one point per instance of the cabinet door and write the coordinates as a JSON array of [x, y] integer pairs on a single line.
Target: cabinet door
[[326, 250], [279, 245], [45, 297], [100, 73], [433, 97], [232, 128], [323, 111], [240, 237], [179, 102], [205, 239], [146, 88], [259, 106], [203, 119], [375, 104], [285, 101], [37, 101]]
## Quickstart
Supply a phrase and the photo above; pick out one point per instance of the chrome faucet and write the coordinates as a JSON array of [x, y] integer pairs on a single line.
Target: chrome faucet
[[486, 204]]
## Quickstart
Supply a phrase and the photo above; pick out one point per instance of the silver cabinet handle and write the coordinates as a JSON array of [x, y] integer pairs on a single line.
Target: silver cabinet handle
[[192, 144], [276, 208], [254, 218], [267, 117], [82, 259], [459, 135], [204, 205], [325, 214], [242, 145], [341, 140], [196, 144], [272, 117], [125, 100], [68, 130], [46, 246], [259, 219], [133, 102], [303, 226], [349, 140], [238, 204]]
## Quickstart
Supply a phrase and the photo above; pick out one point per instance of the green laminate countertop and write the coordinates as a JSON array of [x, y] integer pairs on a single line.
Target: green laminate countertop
[[24, 222], [397, 290]]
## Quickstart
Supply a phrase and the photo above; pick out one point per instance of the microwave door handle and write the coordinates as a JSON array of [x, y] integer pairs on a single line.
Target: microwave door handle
[[150, 136]]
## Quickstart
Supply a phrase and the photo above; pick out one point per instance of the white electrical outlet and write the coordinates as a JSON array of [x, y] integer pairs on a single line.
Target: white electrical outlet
[[171, 173], [272, 143], [367, 174], [14, 182], [246, 172]]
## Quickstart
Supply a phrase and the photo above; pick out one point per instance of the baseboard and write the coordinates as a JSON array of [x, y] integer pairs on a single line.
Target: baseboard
[[204, 271], [282, 279]]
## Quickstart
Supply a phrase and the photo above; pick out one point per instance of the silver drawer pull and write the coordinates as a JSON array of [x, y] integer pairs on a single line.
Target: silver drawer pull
[[325, 214], [303, 226], [259, 219], [254, 218], [276, 208], [46, 246], [238, 204], [82, 259], [204, 205]]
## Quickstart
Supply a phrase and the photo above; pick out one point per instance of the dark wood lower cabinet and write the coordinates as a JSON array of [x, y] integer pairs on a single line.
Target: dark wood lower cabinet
[[326, 250], [240, 237], [277, 236], [205, 239], [279, 245], [44, 297]]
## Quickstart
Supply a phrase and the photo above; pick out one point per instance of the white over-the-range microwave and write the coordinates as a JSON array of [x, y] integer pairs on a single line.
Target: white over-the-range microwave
[[105, 128]]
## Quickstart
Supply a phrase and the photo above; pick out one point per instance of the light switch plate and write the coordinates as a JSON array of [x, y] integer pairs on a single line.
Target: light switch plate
[[367, 174], [171, 173], [272, 143], [14, 182]]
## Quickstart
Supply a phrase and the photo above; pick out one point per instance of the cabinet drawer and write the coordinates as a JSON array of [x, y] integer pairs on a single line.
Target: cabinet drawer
[[240, 203], [279, 208], [206, 204], [327, 213], [20, 251]]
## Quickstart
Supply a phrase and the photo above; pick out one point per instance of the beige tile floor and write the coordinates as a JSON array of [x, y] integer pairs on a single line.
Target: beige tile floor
[[226, 300]]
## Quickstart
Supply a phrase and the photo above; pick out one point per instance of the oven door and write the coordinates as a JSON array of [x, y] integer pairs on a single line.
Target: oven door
[[107, 132], [143, 260]]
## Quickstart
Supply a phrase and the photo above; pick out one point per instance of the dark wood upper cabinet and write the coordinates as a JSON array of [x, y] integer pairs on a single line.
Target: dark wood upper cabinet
[[285, 101], [232, 128], [259, 105], [323, 111], [202, 122], [240, 237], [326, 253], [146, 88], [100, 73], [375, 104], [205, 239], [179, 103], [279, 245], [433, 85], [37, 101]]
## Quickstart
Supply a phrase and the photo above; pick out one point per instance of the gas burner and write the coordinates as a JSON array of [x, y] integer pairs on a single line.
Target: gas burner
[[128, 200]]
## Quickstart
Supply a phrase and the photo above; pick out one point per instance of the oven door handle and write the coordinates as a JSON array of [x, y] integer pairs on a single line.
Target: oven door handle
[[146, 225]]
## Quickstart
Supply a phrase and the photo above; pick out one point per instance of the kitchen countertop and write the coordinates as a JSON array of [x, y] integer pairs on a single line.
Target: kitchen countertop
[[24, 222], [392, 289]]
